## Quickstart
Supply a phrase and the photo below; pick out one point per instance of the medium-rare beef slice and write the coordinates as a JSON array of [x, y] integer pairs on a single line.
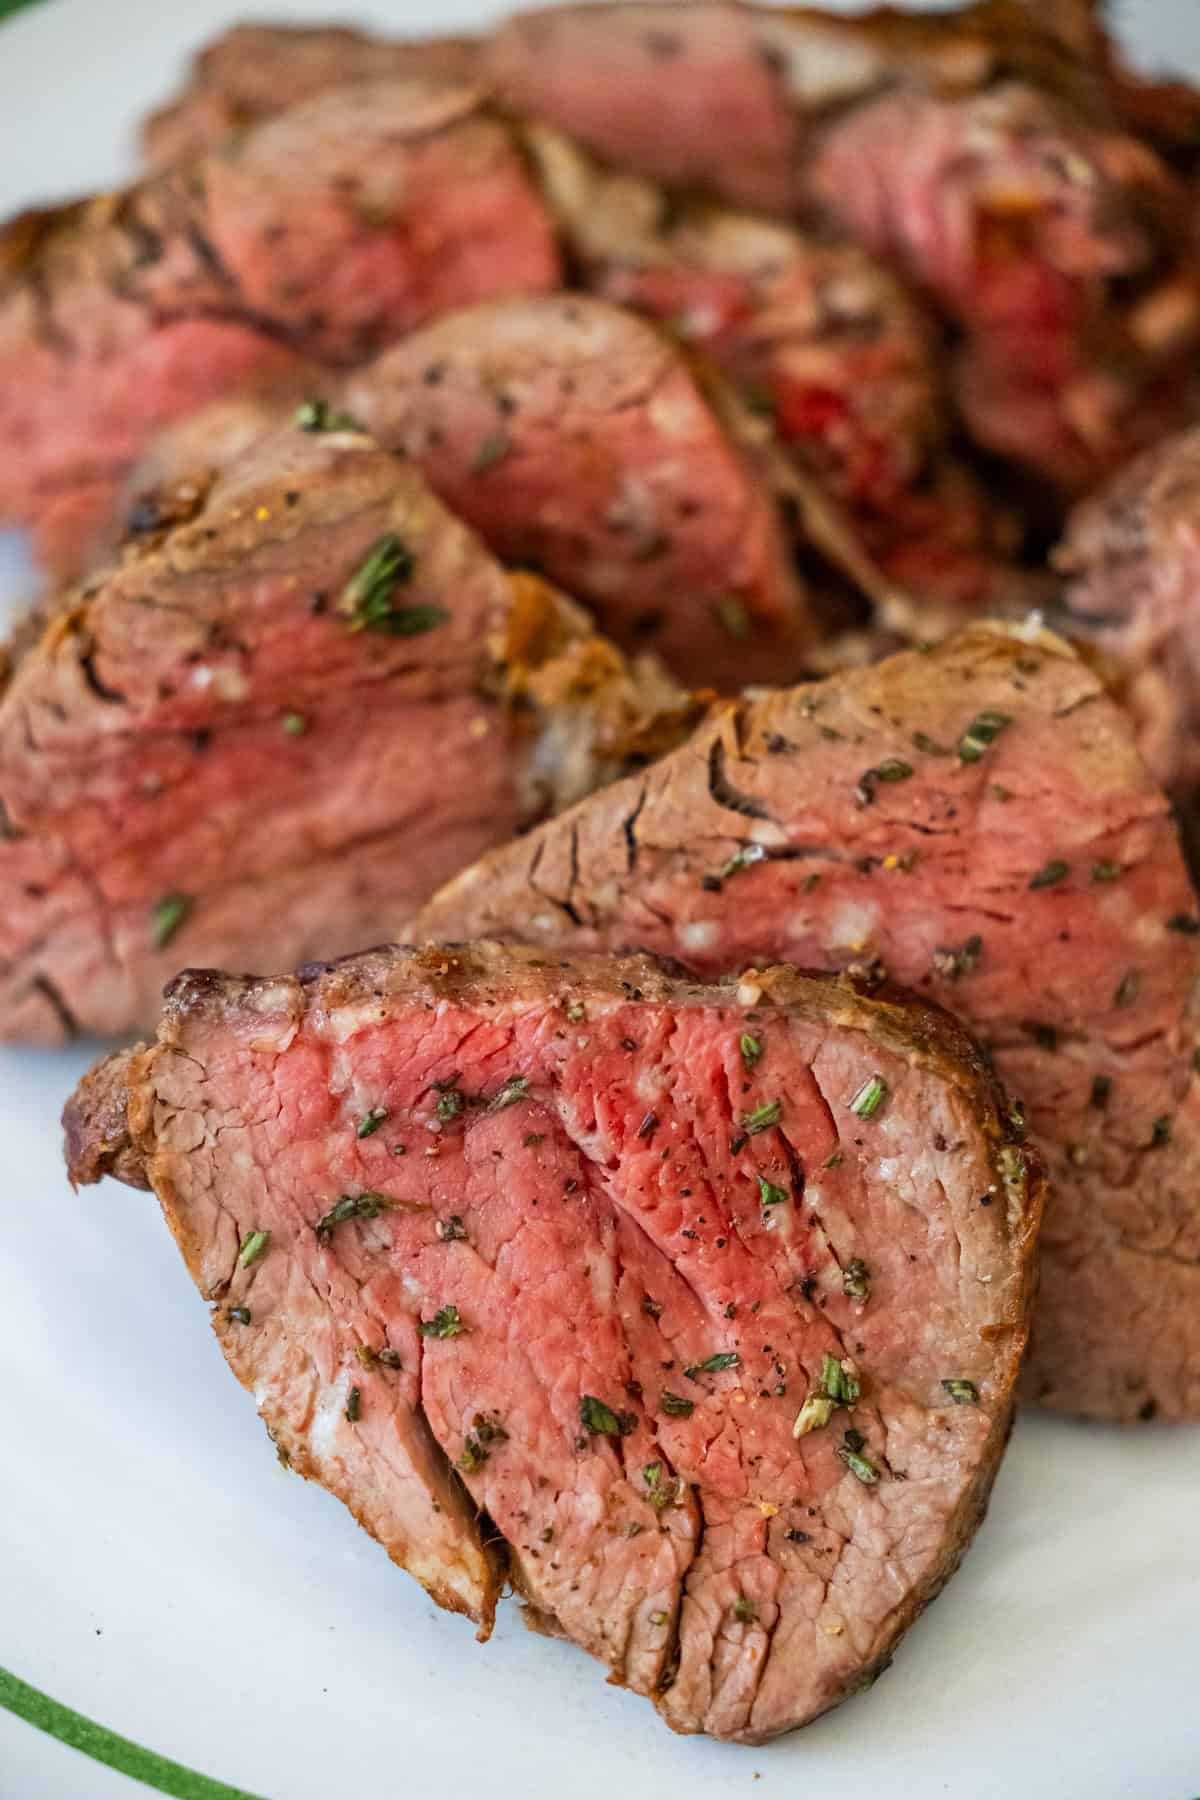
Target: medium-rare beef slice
[[252, 71], [1132, 559], [277, 721], [968, 147], [977, 821], [323, 234], [573, 436], [714, 1296]]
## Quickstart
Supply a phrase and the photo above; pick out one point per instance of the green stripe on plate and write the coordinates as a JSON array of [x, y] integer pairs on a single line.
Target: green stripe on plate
[[106, 1746]]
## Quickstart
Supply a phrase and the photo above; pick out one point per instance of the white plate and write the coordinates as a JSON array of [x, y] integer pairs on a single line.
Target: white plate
[[162, 1575]]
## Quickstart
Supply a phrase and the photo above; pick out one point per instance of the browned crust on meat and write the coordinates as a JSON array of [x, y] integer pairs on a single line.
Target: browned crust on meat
[[96, 1134]]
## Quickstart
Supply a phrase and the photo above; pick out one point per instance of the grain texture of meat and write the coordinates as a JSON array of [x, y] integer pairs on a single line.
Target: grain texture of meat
[[223, 748], [1132, 561], [575, 439], [976, 821], [253, 71], [323, 234], [713, 1296]]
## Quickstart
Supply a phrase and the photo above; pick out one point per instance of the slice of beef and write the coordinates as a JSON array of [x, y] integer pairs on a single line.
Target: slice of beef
[[976, 821], [714, 1296], [575, 438], [323, 234], [278, 721], [1132, 558], [252, 71]]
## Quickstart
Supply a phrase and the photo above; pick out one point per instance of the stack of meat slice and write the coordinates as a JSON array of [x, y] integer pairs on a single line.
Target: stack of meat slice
[[713, 1297], [278, 721], [975, 822]]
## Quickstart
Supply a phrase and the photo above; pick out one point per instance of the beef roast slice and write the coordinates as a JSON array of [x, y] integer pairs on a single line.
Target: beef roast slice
[[610, 1232], [573, 436], [252, 71], [1132, 558], [977, 821], [325, 234], [206, 757]]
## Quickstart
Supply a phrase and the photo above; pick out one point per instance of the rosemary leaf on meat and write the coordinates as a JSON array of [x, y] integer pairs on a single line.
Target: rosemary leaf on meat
[[491, 450], [368, 600], [316, 415], [870, 1097], [445, 1323], [166, 916], [486, 1431], [734, 617], [601, 1420], [514, 1089], [837, 1382], [293, 724], [769, 1194], [856, 1462], [856, 1279], [350, 1206], [762, 1118], [370, 1122], [751, 1049], [354, 1405], [239, 1314], [675, 1406], [1050, 874], [963, 1393], [744, 1609], [712, 1365], [451, 1230], [253, 1245], [1127, 988], [983, 730]]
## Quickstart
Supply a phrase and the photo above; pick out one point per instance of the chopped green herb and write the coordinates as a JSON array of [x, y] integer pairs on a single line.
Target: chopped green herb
[[857, 1463], [370, 1122], [491, 450], [486, 1431], [532, 1139], [239, 1314], [658, 1618], [983, 730], [662, 1492], [744, 1609], [368, 599], [293, 724], [1185, 923], [166, 916], [675, 1406], [837, 1382], [955, 963], [445, 1323], [651, 1308], [762, 1118], [963, 1393], [814, 1415], [1050, 874], [923, 742], [856, 1279], [745, 858], [893, 769], [1106, 870], [449, 1105], [576, 1011], [601, 1420], [390, 1359], [451, 1230], [514, 1089], [1160, 1133], [350, 1206], [712, 1365], [354, 1405], [769, 1194], [834, 1160], [1000, 793], [734, 617], [315, 415], [1127, 988], [751, 1049], [1101, 1089], [253, 1245], [870, 1097]]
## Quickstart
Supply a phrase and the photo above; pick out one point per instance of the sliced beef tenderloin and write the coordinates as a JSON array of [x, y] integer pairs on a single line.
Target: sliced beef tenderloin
[[975, 820], [1132, 561], [323, 234], [575, 438], [714, 1296], [223, 747], [253, 71]]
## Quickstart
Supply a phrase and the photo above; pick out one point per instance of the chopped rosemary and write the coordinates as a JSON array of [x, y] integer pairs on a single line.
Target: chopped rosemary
[[368, 599], [983, 730], [675, 1406], [929, 746], [769, 1194], [316, 415], [870, 1097], [1050, 874], [658, 1618], [893, 769], [963, 1393], [354, 1405], [837, 1382], [734, 617], [762, 1118], [485, 1432], [955, 963], [1127, 988], [445, 1323], [814, 1415], [350, 1206], [451, 1230], [293, 724], [751, 1049], [576, 1011], [598, 1418], [166, 916], [856, 1462], [856, 1279], [449, 1105], [253, 1245], [514, 1089], [744, 1609], [390, 1358], [834, 1160], [370, 1122], [712, 1365], [662, 1493], [745, 858], [239, 1314], [1104, 870]]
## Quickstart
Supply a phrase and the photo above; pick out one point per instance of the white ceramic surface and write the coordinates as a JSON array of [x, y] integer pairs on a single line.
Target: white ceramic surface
[[161, 1574]]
